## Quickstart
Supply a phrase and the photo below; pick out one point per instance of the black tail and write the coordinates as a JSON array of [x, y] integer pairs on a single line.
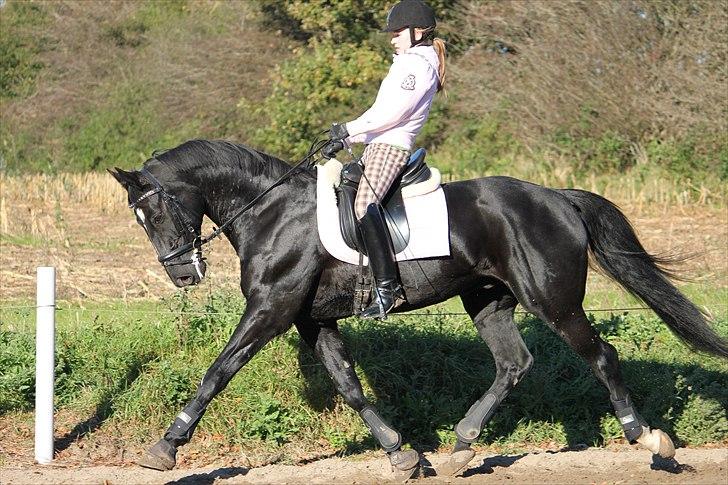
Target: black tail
[[616, 248]]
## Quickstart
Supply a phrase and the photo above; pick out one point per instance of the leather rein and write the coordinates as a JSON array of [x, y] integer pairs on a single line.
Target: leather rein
[[183, 221]]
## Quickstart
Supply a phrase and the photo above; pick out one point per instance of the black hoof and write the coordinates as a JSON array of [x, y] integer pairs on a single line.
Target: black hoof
[[404, 464], [162, 456], [457, 463]]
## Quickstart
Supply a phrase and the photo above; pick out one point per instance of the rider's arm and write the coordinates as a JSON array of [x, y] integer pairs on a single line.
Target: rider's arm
[[401, 92]]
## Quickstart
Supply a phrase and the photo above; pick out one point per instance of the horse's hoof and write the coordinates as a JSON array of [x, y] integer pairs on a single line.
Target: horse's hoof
[[457, 463], [658, 442], [404, 464], [162, 456]]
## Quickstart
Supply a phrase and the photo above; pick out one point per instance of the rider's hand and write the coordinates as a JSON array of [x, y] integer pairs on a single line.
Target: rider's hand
[[330, 150], [338, 131]]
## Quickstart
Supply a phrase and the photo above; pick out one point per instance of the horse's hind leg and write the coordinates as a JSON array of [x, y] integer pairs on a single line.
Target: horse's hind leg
[[492, 313], [325, 340], [575, 329]]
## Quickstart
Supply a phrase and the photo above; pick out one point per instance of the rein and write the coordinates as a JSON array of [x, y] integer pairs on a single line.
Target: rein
[[181, 219]]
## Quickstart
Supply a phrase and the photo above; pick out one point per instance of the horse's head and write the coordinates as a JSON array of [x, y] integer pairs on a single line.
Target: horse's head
[[171, 215]]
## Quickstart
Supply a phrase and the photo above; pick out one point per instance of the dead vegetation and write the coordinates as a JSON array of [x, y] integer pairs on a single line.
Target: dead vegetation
[[191, 62], [80, 223], [641, 69]]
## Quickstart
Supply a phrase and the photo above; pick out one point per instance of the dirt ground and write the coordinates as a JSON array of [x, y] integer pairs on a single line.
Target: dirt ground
[[597, 466]]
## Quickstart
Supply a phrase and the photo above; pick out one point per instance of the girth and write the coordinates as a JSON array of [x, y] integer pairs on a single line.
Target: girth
[[415, 171]]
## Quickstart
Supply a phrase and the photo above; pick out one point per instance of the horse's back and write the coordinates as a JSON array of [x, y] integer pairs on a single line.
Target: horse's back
[[501, 196], [506, 219]]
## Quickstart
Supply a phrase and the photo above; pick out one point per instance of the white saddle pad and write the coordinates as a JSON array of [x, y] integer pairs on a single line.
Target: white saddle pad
[[426, 215]]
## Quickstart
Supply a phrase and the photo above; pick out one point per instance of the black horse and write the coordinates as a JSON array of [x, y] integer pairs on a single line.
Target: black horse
[[511, 242]]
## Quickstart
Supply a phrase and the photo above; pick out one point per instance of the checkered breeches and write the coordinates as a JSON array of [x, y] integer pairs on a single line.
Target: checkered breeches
[[382, 164]]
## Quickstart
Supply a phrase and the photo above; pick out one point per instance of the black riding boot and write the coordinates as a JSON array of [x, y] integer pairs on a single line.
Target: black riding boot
[[382, 262]]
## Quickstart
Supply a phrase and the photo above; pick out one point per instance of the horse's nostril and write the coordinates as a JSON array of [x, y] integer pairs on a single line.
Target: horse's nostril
[[185, 280]]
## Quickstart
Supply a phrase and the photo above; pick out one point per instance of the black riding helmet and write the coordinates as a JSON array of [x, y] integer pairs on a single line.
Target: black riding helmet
[[411, 14]]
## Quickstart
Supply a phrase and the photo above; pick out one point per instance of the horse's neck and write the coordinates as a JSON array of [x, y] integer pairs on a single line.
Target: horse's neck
[[228, 185]]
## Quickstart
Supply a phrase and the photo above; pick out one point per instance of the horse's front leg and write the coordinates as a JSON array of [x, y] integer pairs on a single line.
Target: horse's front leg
[[325, 340], [262, 321]]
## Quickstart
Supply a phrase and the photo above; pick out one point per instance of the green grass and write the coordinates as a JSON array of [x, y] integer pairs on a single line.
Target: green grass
[[135, 365], [24, 240], [28, 240]]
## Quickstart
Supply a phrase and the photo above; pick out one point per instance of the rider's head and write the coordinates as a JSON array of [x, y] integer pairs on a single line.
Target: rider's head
[[411, 22]]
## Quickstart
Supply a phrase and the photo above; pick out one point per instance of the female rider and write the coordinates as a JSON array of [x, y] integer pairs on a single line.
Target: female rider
[[389, 128]]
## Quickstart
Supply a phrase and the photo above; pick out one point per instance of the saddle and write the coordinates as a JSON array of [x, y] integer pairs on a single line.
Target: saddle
[[415, 172]]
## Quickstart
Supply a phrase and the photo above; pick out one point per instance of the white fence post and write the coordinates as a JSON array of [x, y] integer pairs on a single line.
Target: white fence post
[[45, 347]]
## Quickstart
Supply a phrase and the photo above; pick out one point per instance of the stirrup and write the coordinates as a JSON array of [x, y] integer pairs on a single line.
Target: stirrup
[[382, 304]]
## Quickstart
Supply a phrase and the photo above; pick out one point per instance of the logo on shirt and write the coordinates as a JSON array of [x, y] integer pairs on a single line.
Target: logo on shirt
[[408, 83]]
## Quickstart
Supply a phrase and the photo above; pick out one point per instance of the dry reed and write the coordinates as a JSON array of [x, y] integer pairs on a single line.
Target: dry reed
[[642, 69], [37, 205]]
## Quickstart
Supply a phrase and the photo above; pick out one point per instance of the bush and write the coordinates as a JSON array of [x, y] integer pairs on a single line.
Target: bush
[[334, 78], [579, 90], [476, 147], [610, 152], [347, 21], [599, 77], [19, 64], [326, 83], [121, 133]]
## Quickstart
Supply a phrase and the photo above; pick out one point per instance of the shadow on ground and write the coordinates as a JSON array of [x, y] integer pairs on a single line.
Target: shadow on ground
[[210, 477], [105, 408], [425, 380]]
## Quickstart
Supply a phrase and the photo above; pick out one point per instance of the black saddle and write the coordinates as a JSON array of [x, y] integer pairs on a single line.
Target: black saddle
[[415, 171]]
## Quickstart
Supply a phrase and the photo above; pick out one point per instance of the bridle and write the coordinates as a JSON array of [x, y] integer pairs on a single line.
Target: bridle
[[181, 214], [182, 218]]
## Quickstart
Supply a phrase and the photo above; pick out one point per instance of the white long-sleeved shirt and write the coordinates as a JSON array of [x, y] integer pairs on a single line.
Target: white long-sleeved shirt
[[403, 101]]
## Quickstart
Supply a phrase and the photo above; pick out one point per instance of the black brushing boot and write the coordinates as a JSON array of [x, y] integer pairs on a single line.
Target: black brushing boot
[[381, 260]]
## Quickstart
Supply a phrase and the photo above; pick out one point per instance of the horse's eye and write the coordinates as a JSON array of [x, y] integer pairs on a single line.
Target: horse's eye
[[158, 218]]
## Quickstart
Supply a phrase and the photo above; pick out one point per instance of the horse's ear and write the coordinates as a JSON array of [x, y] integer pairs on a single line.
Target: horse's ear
[[126, 179]]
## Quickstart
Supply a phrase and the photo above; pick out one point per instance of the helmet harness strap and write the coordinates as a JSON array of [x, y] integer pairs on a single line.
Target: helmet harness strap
[[426, 37]]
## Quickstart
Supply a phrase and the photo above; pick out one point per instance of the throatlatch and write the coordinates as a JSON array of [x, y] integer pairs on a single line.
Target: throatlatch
[[388, 437], [469, 428], [632, 422]]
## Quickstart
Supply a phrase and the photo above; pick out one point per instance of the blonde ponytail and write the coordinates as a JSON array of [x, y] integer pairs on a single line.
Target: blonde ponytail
[[439, 46]]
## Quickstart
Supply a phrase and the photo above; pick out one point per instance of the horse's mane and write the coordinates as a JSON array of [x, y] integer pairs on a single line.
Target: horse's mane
[[194, 155]]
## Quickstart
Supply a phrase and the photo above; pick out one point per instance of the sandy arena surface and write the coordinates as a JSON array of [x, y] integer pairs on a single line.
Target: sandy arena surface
[[597, 466]]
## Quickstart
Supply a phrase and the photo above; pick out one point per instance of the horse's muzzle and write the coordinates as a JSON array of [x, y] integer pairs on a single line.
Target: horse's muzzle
[[187, 274]]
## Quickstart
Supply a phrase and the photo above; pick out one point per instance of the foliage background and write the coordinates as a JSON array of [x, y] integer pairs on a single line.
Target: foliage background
[[547, 90]]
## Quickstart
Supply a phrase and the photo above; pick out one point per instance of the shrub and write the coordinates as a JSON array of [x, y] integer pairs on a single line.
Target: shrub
[[476, 147], [609, 152], [324, 84], [19, 63], [333, 79], [603, 76], [349, 21], [123, 132]]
